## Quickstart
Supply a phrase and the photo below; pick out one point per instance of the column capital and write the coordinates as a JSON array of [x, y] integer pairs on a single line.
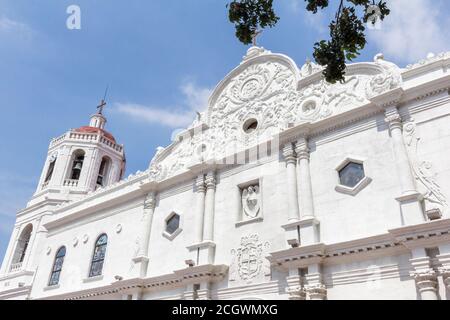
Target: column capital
[[200, 184], [294, 288], [393, 118], [296, 292], [425, 280], [289, 153], [210, 180], [150, 201], [446, 278], [445, 273], [316, 291], [302, 150]]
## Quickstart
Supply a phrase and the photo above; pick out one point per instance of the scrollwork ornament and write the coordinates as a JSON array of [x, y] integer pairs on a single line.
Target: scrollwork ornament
[[423, 171]]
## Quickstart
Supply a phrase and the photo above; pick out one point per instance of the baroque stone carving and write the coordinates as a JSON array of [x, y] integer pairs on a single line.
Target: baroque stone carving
[[309, 68], [251, 202], [266, 90], [249, 262], [389, 78], [423, 171]]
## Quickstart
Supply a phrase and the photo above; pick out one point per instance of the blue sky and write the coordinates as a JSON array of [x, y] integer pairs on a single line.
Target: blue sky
[[161, 59]]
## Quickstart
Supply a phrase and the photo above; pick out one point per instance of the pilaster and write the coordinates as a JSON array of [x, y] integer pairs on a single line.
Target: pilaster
[[142, 260], [203, 250], [291, 182], [444, 260], [208, 231], [424, 276], [410, 199]]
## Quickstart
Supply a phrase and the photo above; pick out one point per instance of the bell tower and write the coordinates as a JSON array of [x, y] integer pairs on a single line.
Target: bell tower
[[80, 161]]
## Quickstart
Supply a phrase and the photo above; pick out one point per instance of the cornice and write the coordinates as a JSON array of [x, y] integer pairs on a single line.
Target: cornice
[[396, 241], [16, 292], [179, 278], [440, 61]]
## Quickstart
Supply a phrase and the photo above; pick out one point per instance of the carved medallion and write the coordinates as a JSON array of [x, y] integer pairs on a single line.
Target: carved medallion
[[248, 260], [251, 201]]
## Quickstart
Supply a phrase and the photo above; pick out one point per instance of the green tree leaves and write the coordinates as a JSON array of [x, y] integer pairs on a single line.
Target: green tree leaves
[[347, 30], [250, 15]]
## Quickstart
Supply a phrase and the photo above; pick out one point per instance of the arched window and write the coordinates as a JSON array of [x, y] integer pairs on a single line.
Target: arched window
[[50, 170], [21, 248], [99, 256], [57, 266], [103, 171], [77, 165]]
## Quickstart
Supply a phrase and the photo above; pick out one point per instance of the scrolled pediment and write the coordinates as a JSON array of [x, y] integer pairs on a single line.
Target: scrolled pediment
[[265, 95]]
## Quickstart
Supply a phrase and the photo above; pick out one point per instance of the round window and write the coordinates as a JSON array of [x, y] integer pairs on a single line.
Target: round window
[[250, 125]]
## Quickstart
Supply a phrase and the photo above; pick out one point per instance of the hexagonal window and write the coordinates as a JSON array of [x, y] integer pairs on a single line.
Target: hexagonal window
[[172, 226], [351, 174]]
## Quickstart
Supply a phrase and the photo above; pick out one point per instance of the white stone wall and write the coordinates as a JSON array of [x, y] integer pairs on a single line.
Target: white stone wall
[[354, 228]]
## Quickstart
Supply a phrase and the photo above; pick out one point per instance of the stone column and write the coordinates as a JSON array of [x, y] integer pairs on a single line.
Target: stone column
[[315, 289], [203, 250], [294, 285], [291, 183], [309, 225], [305, 194], [204, 291], [208, 231], [444, 260], [425, 277], [412, 212], [427, 285], [200, 208], [146, 226]]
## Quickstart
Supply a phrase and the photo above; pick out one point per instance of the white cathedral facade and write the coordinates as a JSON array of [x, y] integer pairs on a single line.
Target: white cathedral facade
[[286, 187]]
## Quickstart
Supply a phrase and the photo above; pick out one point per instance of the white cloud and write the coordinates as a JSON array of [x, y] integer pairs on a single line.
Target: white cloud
[[317, 21], [195, 98], [294, 5], [413, 29], [12, 27]]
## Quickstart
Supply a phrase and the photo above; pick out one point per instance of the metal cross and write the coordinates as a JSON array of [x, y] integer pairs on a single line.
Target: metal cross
[[101, 106], [103, 102]]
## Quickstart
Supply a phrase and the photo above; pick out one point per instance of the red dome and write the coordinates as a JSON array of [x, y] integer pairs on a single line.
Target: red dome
[[88, 129]]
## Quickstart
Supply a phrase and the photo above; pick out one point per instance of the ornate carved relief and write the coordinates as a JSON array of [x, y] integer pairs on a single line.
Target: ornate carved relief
[[389, 78], [265, 89], [251, 202], [423, 171], [249, 263]]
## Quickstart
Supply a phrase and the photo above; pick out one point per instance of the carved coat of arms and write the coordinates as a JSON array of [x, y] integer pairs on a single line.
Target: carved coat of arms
[[249, 260]]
